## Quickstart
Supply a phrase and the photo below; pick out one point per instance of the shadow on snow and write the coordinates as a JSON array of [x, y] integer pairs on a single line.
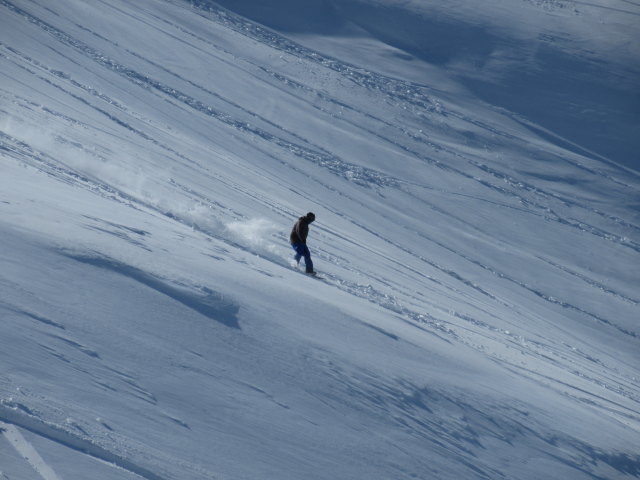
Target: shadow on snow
[[210, 304]]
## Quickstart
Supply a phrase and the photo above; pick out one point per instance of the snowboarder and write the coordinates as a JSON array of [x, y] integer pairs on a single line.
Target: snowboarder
[[298, 240]]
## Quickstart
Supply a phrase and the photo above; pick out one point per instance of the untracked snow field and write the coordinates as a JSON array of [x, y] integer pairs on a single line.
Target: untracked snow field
[[474, 175]]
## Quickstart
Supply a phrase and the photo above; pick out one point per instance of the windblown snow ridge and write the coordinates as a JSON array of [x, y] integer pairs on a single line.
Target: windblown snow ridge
[[204, 301], [16, 414]]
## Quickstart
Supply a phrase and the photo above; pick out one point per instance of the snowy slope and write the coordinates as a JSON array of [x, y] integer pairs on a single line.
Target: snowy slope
[[572, 67], [476, 315]]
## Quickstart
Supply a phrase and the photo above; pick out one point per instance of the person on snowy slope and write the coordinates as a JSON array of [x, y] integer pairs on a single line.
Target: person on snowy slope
[[298, 239]]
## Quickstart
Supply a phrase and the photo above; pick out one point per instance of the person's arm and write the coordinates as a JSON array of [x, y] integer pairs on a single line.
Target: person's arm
[[302, 229]]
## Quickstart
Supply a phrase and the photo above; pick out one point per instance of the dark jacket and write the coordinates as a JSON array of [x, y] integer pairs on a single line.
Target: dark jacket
[[300, 231]]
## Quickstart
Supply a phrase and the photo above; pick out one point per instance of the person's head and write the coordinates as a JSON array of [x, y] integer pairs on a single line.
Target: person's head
[[310, 217]]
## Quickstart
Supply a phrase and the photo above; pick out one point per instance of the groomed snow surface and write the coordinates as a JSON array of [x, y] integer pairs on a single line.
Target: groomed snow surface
[[473, 171]]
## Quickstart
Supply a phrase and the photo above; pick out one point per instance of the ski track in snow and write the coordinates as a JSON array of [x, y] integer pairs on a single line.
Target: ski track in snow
[[10, 419], [24, 448]]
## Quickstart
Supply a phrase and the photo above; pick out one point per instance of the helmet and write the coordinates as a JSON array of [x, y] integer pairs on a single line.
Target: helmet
[[310, 217]]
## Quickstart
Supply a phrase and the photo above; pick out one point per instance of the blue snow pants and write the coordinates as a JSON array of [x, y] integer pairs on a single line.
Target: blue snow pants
[[303, 251]]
